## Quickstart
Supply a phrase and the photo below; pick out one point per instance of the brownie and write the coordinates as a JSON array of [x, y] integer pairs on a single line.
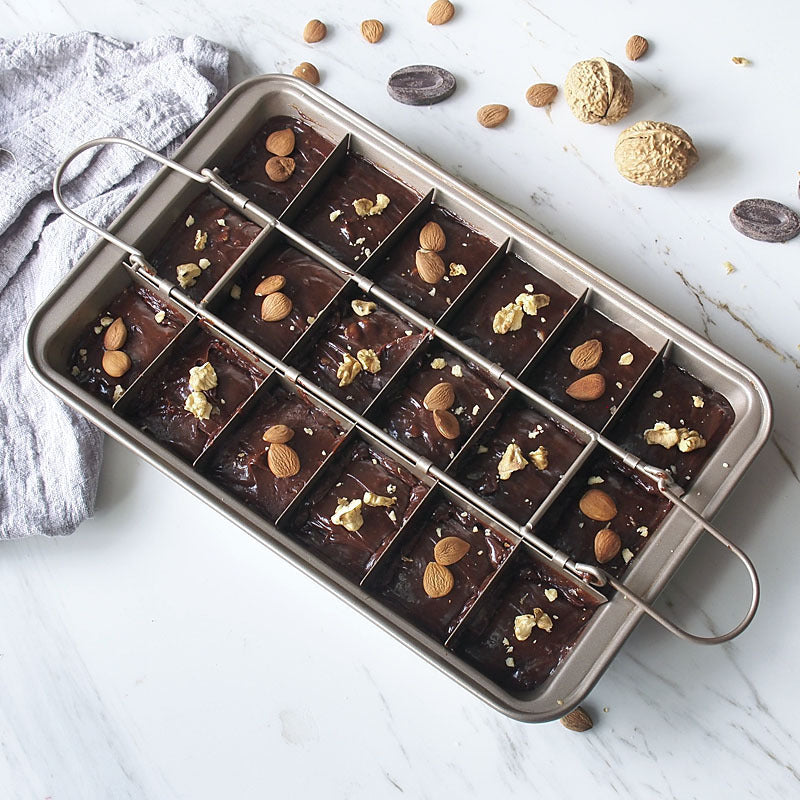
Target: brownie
[[241, 464], [309, 286], [331, 220], [248, 175], [491, 644], [227, 235], [403, 589], [137, 307], [510, 278], [159, 409], [523, 491], [407, 420], [391, 338], [465, 252], [556, 372], [668, 396], [360, 469]]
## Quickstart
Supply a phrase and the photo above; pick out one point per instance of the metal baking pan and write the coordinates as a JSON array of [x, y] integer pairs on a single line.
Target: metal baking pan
[[105, 271]]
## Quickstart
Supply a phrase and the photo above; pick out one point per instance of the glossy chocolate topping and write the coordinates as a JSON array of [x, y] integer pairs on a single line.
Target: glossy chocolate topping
[[403, 588], [227, 236], [360, 469], [248, 171], [241, 464], [159, 410], [309, 286], [510, 278], [465, 249], [348, 236], [146, 339]]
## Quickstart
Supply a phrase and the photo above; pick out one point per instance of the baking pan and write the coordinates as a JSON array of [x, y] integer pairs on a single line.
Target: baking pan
[[119, 258]]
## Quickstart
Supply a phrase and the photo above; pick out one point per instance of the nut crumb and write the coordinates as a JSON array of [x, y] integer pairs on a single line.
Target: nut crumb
[[118, 392], [308, 431], [551, 594], [729, 268], [658, 394], [187, 274], [378, 500], [98, 329], [456, 371], [438, 363], [627, 555], [221, 222], [160, 316], [76, 370], [698, 401], [457, 269], [334, 215], [106, 321], [204, 263], [236, 291], [189, 221], [594, 479], [625, 359], [482, 449], [510, 662], [741, 61]]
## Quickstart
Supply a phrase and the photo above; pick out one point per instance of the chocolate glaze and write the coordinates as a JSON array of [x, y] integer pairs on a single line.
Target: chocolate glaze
[[224, 245], [677, 408], [523, 491], [398, 273], [360, 469], [405, 417], [354, 179], [241, 464], [248, 170], [555, 373], [491, 633], [159, 409], [146, 339], [473, 324], [309, 286], [403, 586], [388, 335]]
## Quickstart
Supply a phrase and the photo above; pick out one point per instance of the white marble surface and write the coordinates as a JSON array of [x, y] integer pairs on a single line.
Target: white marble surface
[[161, 653]]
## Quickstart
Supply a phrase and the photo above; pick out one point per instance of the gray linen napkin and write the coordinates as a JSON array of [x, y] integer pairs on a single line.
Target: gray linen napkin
[[56, 92]]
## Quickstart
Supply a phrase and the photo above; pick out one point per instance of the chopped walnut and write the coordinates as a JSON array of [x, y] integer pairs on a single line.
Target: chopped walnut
[[539, 457], [160, 316], [348, 514], [362, 206], [438, 363], [508, 318], [187, 274], [236, 291], [202, 378], [334, 215], [204, 263], [627, 555], [690, 440], [189, 221], [197, 404], [525, 623], [531, 303], [381, 202], [200, 239], [626, 359], [369, 360], [551, 594], [662, 434], [118, 392], [456, 371], [363, 308], [511, 462], [378, 500], [348, 370], [457, 269], [643, 530], [698, 401]]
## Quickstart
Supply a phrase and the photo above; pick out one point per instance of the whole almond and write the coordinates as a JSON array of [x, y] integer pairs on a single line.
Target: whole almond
[[587, 355], [450, 550], [116, 335], [282, 460], [314, 31], [278, 434], [492, 115], [541, 94], [281, 143], [440, 12], [446, 423], [437, 580], [589, 387], [307, 72], [598, 505], [607, 545], [577, 720], [432, 237], [270, 284], [279, 168], [275, 307], [372, 30], [636, 47], [440, 397], [429, 266], [116, 363]]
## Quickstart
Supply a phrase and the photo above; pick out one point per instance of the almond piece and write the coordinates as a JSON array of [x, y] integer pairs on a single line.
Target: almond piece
[[586, 355], [116, 363], [429, 266], [372, 30], [281, 143], [589, 387], [278, 434], [450, 550], [432, 237], [437, 580], [279, 168], [116, 335], [598, 505], [314, 31], [282, 460], [541, 94], [440, 12], [307, 72], [492, 115], [636, 47], [607, 545], [446, 423], [275, 307], [577, 720], [270, 284], [440, 397]]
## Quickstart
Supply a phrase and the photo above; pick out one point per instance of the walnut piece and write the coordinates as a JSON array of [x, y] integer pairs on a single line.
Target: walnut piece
[[438, 363], [378, 500], [366, 208], [202, 378], [363, 308], [187, 274], [662, 434], [457, 269], [200, 239], [197, 405], [598, 91], [348, 514], [531, 303], [654, 153], [369, 360], [539, 457], [525, 623], [511, 462], [508, 318], [348, 370]]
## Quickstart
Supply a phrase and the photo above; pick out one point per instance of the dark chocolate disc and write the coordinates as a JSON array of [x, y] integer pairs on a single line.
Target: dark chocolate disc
[[765, 220], [421, 85]]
